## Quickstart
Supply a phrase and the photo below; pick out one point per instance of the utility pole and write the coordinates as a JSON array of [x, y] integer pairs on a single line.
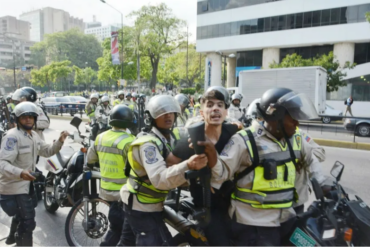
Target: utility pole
[[187, 53], [138, 60]]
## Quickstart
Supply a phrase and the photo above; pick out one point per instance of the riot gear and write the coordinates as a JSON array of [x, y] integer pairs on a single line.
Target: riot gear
[[27, 93], [122, 117]]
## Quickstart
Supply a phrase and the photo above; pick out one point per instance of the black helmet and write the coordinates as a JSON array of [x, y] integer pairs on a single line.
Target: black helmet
[[223, 94], [122, 117], [27, 93], [128, 95], [276, 102]]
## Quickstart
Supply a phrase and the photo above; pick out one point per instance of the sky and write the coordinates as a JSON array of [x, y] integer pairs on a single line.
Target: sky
[[85, 9]]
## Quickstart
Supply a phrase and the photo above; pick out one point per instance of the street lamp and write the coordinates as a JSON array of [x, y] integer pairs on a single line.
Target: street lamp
[[232, 55], [103, 1]]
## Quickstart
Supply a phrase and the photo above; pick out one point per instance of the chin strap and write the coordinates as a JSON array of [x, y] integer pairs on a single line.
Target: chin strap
[[292, 154]]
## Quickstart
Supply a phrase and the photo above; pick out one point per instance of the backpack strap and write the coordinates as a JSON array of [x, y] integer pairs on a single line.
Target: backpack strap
[[256, 159]]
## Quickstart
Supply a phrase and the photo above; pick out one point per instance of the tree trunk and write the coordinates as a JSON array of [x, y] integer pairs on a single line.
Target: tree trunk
[[155, 63]]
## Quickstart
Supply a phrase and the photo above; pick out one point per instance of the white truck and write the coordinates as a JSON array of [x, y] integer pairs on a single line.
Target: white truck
[[309, 80]]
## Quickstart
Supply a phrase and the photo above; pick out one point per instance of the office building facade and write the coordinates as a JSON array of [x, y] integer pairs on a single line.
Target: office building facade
[[49, 20], [261, 32], [102, 32]]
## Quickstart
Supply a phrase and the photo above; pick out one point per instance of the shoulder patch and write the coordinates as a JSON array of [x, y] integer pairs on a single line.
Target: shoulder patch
[[259, 132], [227, 148], [10, 144], [150, 155]]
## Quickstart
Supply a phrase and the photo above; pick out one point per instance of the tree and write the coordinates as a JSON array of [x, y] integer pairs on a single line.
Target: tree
[[328, 62], [86, 76], [161, 33], [72, 45], [51, 73], [175, 69]]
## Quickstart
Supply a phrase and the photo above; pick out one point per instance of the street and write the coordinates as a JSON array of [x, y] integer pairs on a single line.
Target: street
[[50, 227]]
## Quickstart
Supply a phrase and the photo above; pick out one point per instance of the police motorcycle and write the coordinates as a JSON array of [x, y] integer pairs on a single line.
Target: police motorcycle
[[63, 184], [335, 221]]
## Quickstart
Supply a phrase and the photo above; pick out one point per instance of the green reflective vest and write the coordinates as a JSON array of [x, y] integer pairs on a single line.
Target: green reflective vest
[[11, 107], [90, 113], [196, 110], [111, 147], [141, 186], [277, 193]]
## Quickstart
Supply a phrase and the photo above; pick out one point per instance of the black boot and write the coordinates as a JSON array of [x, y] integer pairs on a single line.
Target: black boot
[[13, 228], [24, 239]]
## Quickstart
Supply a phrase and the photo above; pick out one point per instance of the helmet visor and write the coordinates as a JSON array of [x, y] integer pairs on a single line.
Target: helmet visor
[[299, 106]]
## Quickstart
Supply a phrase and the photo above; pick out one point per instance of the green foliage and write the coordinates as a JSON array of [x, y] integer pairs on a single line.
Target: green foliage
[[198, 87], [175, 71], [72, 45], [188, 91], [7, 78], [86, 76], [51, 73], [157, 33], [328, 62]]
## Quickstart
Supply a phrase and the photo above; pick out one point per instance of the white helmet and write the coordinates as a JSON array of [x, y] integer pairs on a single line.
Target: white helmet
[[162, 104], [25, 109], [238, 96], [252, 112], [120, 93], [134, 95], [94, 95], [105, 99]]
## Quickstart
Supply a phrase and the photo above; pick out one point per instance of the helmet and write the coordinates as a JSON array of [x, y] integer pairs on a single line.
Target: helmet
[[128, 95], [134, 95], [121, 93], [122, 117], [27, 93], [142, 95], [276, 102], [25, 109], [94, 95], [238, 96], [224, 94], [199, 98], [252, 112], [105, 99], [182, 99], [162, 104], [101, 95], [9, 97]]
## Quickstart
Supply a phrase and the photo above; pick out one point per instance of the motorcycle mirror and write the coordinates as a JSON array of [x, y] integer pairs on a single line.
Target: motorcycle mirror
[[337, 170], [76, 121], [317, 189]]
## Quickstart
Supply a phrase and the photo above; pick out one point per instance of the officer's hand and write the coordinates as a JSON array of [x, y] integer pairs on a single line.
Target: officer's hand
[[63, 136], [25, 175], [210, 151], [197, 161]]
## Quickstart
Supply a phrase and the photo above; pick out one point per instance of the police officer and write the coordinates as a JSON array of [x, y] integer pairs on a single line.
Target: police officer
[[19, 149], [110, 150], [150, 179], [214, 104], [264, 159], [102, 113], [197, 106], [43, 122], [134, 102], [130, 103], [30, 94], [184, 102], [10, 103], [235, 111], [90, 112], [120, 99]]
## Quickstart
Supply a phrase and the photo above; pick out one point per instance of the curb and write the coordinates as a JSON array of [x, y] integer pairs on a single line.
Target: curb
[[343, 144]]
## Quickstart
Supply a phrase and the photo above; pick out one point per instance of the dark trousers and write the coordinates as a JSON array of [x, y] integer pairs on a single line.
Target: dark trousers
[[116, 217], [22, 209], [144, 229], [244, 235]]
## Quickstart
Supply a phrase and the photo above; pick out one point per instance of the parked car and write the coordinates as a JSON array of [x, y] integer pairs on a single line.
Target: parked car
[[77, 99], [330, 111], [55, 105], [361, 127]]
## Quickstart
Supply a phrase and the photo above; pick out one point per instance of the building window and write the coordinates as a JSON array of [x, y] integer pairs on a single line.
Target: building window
[[358, 87], [286, 22], [362, 53], [306, 52], [249, 58], [218, 5]]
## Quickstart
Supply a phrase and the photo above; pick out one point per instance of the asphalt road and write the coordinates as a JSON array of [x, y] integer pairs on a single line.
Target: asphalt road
[[50, 227]]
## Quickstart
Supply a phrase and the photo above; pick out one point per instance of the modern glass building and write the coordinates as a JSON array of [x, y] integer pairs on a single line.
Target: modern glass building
[[257, 33]]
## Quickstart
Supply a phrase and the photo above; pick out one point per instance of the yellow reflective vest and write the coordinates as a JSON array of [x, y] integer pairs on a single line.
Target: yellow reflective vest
[[112, 147], [141, 186], [196, 110], [276, 193], [11, 107]]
